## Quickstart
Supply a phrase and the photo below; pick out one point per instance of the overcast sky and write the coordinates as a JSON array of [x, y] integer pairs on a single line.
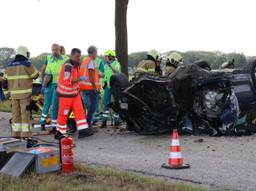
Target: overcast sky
[[224, 25]]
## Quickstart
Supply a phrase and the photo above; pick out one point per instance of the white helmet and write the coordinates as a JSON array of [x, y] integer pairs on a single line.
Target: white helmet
[[154, 54], [23, 51], [175, 57]]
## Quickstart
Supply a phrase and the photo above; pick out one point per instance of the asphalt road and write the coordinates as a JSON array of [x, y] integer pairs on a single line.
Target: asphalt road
[[222, 163]]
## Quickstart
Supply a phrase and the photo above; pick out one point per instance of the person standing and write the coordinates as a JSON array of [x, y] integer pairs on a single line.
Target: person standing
[[99, 108], [20, 74], [63, 52], [111, 67], [53, 63], [91, 87], [69, 98]]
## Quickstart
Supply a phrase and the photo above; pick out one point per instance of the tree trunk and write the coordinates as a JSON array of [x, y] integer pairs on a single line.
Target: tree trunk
[[121, 33]]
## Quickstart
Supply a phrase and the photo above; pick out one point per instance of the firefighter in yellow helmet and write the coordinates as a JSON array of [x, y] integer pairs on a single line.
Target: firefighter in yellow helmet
[[174, 60], [151, 65], [20, 74]]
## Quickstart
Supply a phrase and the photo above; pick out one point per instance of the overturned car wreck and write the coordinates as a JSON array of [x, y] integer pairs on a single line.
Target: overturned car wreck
[[191, 99]]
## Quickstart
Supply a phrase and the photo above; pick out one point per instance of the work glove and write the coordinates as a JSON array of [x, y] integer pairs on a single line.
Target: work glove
[[83, 78]]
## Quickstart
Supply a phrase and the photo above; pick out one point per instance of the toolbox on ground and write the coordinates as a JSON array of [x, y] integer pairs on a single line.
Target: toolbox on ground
[[47, 158], [18, 165], [8, 146]]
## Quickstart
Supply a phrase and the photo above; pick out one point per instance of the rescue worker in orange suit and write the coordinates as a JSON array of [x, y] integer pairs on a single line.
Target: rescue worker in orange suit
[[69, 97], [91, 87]]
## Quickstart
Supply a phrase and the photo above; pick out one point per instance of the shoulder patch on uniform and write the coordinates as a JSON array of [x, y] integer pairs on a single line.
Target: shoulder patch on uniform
[[19, 63], [68, 67]]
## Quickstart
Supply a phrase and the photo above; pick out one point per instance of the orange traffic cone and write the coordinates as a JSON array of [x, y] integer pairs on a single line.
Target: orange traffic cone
[[175, 158]]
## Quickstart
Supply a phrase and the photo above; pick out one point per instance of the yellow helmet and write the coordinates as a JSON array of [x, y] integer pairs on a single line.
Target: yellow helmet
[[154, 54], [110, 53], [175, 57], [23, 51]]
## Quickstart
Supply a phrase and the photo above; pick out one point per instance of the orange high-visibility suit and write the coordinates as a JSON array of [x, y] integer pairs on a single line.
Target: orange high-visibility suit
[[70, 99]]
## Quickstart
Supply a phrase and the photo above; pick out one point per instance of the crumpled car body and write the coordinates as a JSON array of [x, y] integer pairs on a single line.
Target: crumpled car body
[[191, 99]]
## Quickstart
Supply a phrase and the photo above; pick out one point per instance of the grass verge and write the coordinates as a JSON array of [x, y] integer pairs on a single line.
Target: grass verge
[[5, 106], [90, 179]]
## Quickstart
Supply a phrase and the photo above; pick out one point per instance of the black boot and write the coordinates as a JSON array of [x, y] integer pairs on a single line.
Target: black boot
[[31, 142], [71, 131], [85, 133], [43, 128], [104, 124], [58, 135]]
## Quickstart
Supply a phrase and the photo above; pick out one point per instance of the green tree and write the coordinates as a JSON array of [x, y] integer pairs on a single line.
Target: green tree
[[38, 61], [6, 55], [135, 58]]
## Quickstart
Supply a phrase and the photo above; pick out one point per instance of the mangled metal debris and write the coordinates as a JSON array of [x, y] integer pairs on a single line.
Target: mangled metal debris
[[192, 99]]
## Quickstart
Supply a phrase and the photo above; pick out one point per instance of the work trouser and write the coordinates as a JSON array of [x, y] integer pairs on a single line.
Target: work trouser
[[107, 99], [2, 97], [21, 118], [99, 109], [90, 103], [50, 98], [98, 104], [96, 115], [71, 104]]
